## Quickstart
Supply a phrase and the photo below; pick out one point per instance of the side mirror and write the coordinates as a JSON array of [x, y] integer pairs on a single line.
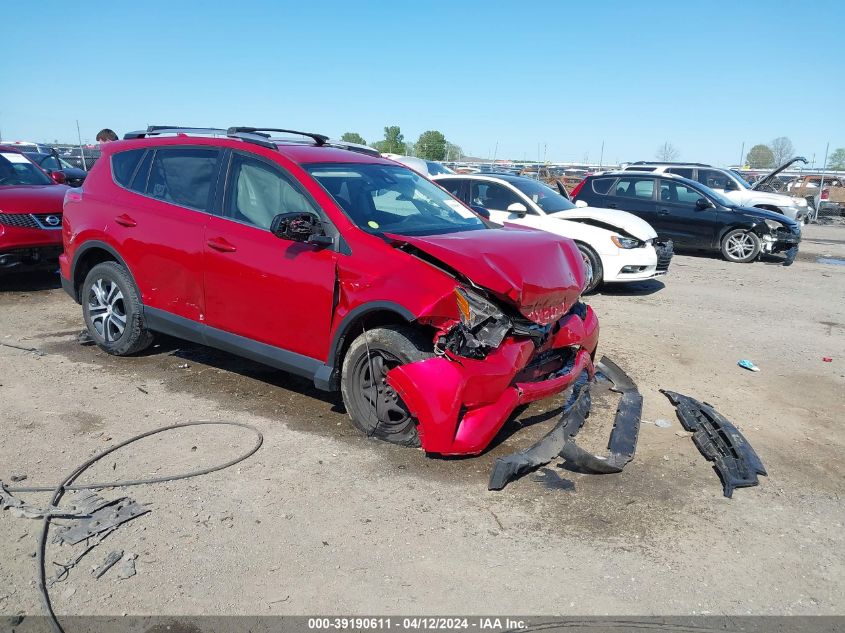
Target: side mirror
[[703, 203], [58, 177], [484, 213], [299, 227], [518, 208], [581, 203]]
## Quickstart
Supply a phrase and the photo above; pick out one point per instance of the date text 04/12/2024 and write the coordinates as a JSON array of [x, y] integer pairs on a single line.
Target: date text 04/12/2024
[[429, 623]]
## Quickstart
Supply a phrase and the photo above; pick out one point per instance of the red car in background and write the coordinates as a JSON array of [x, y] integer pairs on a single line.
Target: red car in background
[[30, 213], [346, 268]]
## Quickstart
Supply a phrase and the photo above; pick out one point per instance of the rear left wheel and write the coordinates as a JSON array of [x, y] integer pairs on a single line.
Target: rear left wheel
[[374, 406]]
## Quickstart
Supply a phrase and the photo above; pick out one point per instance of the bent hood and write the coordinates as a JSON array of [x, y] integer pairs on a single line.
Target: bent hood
[[538, 273], [610, 219]]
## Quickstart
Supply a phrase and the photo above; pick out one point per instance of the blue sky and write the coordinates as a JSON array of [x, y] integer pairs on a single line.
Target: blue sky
[[503, 77]]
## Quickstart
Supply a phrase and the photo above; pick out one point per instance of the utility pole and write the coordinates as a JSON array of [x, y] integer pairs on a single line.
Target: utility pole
[[601, 158], [742, 156], [81, 151]]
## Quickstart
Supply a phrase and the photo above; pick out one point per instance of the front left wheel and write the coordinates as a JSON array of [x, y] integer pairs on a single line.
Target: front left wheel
[[741, 246], [374, 406], [111, 308]]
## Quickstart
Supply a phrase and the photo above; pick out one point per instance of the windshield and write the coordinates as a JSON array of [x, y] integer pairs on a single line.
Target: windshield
[[715, 195], [742, 181], [17, 169], [435, 169], [393, 199], [543, 196]]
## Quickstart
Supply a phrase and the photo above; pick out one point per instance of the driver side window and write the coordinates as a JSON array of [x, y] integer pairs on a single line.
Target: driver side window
[[492, 196], [258, 192], [679, 193]]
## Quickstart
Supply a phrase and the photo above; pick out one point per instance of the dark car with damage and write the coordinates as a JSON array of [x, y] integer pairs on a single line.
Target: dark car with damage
[[692, 215]]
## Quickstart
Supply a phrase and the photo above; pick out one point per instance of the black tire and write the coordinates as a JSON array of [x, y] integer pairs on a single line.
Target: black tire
[[375, 352], [741, 246], [595, 272], [111, 308]]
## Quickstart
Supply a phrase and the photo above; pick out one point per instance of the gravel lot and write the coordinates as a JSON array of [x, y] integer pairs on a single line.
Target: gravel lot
[[322, 520]]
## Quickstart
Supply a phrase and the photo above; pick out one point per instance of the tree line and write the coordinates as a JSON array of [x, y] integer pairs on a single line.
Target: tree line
[[431, 145], [780, 150]]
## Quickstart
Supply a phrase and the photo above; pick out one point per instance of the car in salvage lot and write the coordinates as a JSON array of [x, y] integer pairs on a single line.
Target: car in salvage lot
[[616, 246], [692, 215], [337, 265], [30, 214]]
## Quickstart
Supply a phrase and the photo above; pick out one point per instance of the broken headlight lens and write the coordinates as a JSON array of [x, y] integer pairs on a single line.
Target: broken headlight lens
[[773, 224], [475, 309], [625, 242]]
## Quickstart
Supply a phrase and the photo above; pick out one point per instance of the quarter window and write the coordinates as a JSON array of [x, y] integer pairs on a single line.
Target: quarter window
[[642, 188], [183, 176], [258, 192], [123, 165], [602, 185]]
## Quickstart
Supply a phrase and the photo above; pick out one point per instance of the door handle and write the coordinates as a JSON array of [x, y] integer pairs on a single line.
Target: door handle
[[219, 244], [612, 205], [663, 212], [125, 220]]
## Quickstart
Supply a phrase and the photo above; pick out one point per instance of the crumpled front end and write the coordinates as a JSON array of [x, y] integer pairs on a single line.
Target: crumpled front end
[[462, 397]]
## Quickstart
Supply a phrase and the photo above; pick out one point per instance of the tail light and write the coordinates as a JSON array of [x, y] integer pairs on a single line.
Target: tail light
[[825, 194], [577, 190]]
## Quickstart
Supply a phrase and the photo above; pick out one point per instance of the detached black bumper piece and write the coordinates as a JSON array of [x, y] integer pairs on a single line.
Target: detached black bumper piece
[[665, 251], [560, 440], [719, 441]]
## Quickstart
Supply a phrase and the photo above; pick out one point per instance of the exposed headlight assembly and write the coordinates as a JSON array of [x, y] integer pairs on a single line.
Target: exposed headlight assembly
[[483, 326], [773, 224], [625, 242]]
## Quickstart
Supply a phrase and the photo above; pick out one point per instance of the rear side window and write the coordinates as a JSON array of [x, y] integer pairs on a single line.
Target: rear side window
[[124, 164], [452, 185], [139, 181], [713, 179], [602, 185], [642, 188], [685, 172], [183, 176]]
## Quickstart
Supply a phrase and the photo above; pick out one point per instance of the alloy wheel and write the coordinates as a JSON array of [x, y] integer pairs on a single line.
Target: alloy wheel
[[740, 245], [107, 309]]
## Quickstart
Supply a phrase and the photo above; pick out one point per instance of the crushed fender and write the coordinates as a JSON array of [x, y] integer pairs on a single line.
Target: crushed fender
[[719, 441], [560, 440]]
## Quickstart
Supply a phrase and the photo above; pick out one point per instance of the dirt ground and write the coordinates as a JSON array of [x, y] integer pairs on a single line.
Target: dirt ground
[[322, 520]]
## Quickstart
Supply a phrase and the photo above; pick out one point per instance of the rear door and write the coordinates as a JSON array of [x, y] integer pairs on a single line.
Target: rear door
[[681, 220], [159, 227], [635, 194], [258, 286]]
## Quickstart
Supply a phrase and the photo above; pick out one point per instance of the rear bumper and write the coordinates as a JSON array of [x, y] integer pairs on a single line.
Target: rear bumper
[[461, 403]]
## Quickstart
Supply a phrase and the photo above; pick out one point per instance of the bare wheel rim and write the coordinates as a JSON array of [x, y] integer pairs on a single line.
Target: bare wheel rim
[[740, 245], [588, 266], [375, 395], [107, 309]]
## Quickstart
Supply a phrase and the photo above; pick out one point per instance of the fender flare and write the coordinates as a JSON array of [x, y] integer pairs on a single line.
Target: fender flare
[[88, 246], [343, 329]]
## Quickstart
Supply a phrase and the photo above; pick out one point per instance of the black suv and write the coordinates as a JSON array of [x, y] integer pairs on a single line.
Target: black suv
[[692, 215]]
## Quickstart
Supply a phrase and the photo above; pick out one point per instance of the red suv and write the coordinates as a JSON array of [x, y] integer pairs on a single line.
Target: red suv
[[30, 213], [337, 265]]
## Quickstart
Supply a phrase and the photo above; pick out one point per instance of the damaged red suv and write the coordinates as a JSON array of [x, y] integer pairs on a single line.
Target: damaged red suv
[[337, 265]]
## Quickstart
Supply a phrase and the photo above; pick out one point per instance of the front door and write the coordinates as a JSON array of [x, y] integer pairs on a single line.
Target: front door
[[258, 286], [496, 198], [681, 219]]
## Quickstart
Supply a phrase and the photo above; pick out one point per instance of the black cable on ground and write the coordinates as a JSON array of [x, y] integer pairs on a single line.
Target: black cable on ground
[[59, 491]]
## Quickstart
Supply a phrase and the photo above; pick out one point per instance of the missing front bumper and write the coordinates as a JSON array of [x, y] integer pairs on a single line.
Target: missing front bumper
[[560, 440]]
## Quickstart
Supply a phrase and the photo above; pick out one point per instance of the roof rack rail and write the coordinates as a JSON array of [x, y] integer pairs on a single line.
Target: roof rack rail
[[667, 162], [153, 130], [319, 139]]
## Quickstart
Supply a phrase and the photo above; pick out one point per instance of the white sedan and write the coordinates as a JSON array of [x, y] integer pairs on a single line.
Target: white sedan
[[617, 246]]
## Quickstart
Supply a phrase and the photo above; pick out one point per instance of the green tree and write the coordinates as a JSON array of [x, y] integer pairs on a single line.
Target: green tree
[[760, 156], [837, 159], [431, 145], [393, 143], [453, 152], [353, 137]]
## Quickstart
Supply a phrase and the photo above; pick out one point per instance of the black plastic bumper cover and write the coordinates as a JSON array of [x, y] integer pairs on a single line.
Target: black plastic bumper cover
[[560, 440], [719, 441]]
